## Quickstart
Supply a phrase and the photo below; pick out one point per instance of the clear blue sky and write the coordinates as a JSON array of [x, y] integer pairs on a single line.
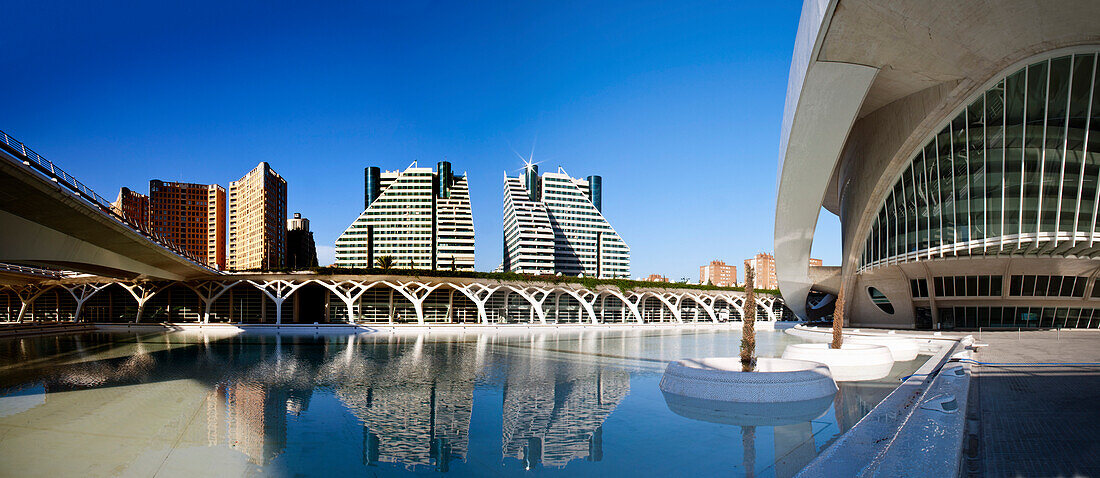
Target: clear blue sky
[[676, 104]]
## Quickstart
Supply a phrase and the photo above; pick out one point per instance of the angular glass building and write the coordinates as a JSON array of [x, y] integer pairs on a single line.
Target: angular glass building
[[553, 224], [420, 217], [962, 155]]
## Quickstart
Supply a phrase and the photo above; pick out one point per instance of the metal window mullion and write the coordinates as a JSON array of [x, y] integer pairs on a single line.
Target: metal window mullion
[[969, 190], [1085, 148], [927, 202], [1062, 176], [905, 232], [1004, 161], [1023, 170], [1042, 158], [1065, 152], [939, 189], [954, 198]]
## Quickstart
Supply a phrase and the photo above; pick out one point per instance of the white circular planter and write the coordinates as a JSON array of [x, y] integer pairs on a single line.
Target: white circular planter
[[850, 363], [903, 349], [778, 392]]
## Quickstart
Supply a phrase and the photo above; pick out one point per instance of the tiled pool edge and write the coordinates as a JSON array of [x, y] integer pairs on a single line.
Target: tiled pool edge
[[917, 430]]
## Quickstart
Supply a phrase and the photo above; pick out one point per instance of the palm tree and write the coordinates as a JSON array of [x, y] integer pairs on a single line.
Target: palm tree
[[748, 327], [386, 262], [838, 320]]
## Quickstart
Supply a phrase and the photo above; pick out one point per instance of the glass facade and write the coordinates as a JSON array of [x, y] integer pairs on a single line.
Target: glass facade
[[1013, 317], [1014, 172]]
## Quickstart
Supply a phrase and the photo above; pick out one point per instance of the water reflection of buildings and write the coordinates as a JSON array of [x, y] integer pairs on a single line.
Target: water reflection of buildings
[[416, 408], [251, 418], [555, 415]]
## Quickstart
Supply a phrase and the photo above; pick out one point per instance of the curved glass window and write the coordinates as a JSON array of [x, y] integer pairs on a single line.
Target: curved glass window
[[880, 300], [1014, 172]]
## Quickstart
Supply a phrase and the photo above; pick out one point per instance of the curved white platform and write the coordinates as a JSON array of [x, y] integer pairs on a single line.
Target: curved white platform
[[747, 414], [903, 349], [850, 363], [774, 381]]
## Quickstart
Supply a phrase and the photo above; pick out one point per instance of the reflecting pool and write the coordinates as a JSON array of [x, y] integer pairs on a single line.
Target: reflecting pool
[[553, 402]]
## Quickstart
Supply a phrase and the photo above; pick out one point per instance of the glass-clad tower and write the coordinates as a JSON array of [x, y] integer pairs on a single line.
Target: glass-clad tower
[[553, 224], [419, 217]]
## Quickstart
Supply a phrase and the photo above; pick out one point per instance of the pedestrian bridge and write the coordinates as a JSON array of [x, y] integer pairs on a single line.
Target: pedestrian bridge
[[52, 220], [306, 298]]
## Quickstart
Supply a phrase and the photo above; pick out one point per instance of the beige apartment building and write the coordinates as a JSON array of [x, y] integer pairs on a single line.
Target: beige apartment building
[[763, 265], [257, 220], [718, 273]]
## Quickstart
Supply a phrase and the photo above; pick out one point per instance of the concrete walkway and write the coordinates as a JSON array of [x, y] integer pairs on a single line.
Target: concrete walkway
[[1035, 420]]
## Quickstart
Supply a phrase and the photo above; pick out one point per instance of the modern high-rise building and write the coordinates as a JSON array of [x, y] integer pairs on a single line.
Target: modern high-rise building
[[257, 220], [301, 251], [553, 224], [961, 153], [133, 206], [719, 274], [420, 217], [192, 216]]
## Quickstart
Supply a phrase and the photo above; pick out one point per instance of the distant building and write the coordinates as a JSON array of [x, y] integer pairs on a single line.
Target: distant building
[[192, 216], [554, 224], [133, 206], [257, 220], [763, 265], [420, 217], [656, 278], [719, 274], [301, 251]]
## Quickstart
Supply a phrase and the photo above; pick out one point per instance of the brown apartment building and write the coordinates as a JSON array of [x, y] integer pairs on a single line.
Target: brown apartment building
[[190, 215], [656, 278], [257, 220], [718, 273], [763, 265], [133, 206]]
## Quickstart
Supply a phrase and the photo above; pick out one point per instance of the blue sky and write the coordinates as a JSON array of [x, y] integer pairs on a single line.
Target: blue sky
[[676, 104]]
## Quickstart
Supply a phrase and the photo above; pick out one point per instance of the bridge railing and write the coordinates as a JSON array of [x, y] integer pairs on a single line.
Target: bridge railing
[[66, 180]]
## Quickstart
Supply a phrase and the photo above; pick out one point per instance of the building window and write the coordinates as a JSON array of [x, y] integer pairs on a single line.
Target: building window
[[880, 300], [1047, 286]]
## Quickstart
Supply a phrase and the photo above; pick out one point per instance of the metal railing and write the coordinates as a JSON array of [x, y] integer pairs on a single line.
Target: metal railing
[[34, 271], [44, 166]]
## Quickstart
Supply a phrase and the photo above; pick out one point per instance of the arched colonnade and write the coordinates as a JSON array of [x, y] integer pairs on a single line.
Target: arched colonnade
[[385, 301]]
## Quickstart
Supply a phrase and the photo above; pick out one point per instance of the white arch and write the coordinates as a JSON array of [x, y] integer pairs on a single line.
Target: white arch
[[278, 291], [142, 293], [208, 292], [532, 297], [81, 293], [474, 292], [632, 307], [416, 296], [348, 291]]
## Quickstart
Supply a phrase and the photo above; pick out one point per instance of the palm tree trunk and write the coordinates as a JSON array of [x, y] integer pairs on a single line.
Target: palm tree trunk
[[748, 327], [838, 320]]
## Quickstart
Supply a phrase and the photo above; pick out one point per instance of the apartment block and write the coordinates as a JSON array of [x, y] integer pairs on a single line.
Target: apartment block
[[420, 217], [719, 274], [256, 226], [554, 223], [190, 215], [133, 206]]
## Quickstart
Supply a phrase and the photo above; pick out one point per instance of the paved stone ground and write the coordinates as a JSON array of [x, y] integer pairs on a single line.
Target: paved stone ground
[[1035, 420]]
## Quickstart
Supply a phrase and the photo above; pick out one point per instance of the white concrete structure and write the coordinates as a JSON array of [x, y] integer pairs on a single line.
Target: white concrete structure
[[553, 224], [420, 217], [378, 299], [957, 142], [52, 220], [849, 363]]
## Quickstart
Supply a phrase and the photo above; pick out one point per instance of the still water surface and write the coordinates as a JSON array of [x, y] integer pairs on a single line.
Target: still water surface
[[562, 403]]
